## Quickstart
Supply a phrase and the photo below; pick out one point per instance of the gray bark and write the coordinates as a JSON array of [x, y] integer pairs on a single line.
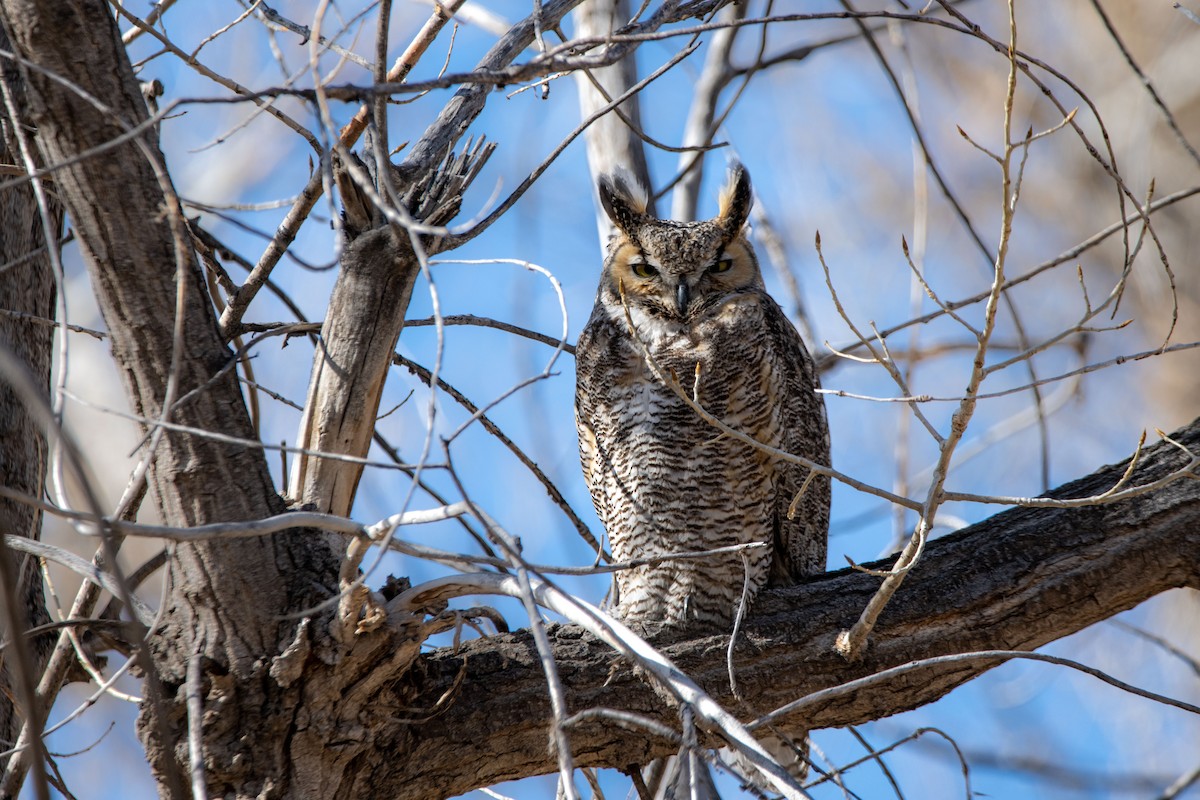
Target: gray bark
[[27, 296], [133, 253], [358, 338], [698, 131]]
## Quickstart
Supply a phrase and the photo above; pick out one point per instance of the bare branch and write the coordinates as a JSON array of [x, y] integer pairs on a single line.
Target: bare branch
[[611, 140], [698, 130]]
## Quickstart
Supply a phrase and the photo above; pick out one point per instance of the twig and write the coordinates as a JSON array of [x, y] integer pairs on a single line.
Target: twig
[[1145, 80], [229, 84], [195, 722], [741, 436], [252, 443], [743, 606], [1065, 257], [1186, 12], [624, 719], [877, 757], [79, 566], [1180, 784], [272, 17], [487, 322], [156, 12], [849, 688], [880, 358], [1159, 641], [476, 413], [19, 663], [288, 229], [459, 239], [850, 643], [914, 736]]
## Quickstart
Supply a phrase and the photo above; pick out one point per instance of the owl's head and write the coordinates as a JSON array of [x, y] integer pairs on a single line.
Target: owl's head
[[677, 270]]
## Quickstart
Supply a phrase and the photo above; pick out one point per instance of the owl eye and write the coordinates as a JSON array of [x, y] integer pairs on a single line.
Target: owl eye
[[723, 265], [643, 270]]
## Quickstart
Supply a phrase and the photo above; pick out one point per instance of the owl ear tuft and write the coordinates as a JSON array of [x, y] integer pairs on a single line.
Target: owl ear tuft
[[624, 199], [735, 200]]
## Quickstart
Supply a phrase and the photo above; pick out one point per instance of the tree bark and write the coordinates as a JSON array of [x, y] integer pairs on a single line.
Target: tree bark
[[27, 297], [362, 325], [130, 231]]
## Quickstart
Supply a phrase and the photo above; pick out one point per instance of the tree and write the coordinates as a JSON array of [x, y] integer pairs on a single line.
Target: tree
[[278, 662]]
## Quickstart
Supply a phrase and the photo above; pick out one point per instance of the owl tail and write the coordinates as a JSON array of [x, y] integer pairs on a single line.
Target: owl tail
[[789, 751], [686, 776], [689, 775]]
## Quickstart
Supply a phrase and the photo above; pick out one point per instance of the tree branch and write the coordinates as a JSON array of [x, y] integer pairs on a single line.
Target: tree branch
[[1016, 581], [611, 141]]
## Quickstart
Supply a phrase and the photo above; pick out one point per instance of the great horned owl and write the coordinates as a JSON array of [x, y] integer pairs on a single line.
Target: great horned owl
[[662, 478]]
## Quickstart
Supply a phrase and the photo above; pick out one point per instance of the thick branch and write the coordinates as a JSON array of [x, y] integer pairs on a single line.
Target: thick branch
[[698, 131], [362, 325], [379, 265], [27, 288], [1016, 581], [133, 256]]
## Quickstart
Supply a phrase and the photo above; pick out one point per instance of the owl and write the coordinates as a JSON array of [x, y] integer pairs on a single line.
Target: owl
[[684, 303]]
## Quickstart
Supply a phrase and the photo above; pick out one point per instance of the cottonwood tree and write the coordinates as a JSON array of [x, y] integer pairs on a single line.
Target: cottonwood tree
[[277, 661]]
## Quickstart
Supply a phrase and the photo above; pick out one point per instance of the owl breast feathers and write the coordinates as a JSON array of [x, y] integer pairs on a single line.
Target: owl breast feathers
[[663, 479]]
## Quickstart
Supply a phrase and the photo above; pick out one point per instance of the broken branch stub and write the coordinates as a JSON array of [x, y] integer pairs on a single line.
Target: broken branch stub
[[379, 265]]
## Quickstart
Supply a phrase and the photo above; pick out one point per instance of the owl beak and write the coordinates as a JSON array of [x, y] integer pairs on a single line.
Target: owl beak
[[683, 296]]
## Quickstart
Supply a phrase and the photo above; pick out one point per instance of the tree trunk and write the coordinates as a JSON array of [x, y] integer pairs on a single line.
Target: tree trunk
[[27, 298], [611, 141], [139, 258]]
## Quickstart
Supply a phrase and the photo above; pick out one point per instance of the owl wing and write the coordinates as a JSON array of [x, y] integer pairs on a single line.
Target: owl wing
[[801, 542], [589, 458], [588, 382]]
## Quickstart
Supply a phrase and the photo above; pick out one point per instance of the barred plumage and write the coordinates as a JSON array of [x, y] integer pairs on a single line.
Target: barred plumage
[[662, 478]]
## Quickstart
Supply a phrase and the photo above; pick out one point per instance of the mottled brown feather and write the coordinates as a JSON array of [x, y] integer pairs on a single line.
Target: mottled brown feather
[[663, 480]]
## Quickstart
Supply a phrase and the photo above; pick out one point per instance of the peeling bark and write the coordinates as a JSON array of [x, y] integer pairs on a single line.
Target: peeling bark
[[362, 326], [379, 266]]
